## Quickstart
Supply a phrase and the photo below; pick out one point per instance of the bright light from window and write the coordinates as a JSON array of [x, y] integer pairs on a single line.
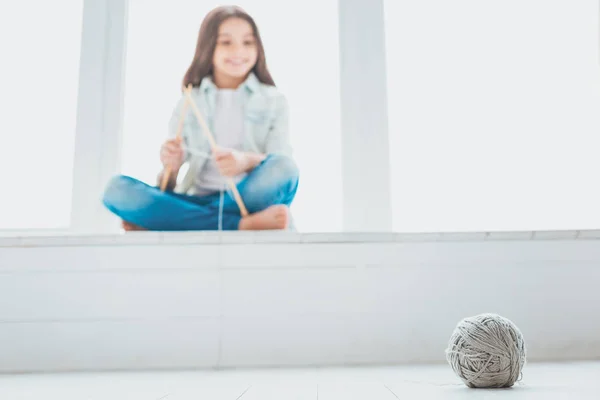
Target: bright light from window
[[493, 110], [302, 52], [39, 81]]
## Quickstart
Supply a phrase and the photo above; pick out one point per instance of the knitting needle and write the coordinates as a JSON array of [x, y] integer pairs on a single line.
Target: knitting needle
[[213, 145], [167, 173]]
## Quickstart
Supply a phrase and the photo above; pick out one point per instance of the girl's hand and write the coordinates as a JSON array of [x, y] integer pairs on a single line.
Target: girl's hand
[[232, 162], [171, 154]]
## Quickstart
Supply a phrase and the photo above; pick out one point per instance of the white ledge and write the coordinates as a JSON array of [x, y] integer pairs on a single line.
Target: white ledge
[[248, 299], [274, 237]]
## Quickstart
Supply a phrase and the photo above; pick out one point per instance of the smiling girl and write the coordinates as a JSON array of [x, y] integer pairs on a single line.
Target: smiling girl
[[248, 117]]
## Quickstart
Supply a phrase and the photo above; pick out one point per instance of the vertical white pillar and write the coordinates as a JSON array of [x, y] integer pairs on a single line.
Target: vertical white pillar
[[365, 144], [99, 114]]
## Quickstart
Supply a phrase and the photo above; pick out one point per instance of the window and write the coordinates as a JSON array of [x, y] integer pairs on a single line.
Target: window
[[302, 53], [39, 81], [493, 114]]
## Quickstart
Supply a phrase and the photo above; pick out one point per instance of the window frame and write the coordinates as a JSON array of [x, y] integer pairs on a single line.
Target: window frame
[[365, 139], [366, 204], [99, 114], [363, 103]]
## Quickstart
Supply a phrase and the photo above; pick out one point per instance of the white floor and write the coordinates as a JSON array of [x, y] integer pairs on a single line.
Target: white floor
[[578, 381]]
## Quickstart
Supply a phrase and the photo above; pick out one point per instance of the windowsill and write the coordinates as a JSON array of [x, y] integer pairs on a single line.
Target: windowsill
[[46, 239], [249, 299]]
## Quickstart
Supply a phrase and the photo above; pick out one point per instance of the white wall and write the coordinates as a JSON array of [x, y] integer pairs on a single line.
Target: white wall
[[208, 301]]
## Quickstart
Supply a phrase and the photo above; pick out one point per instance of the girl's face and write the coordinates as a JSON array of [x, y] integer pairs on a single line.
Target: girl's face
[[236, 50]]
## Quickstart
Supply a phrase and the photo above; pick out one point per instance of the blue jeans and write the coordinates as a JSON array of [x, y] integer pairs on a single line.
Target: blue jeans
[[274, 181]]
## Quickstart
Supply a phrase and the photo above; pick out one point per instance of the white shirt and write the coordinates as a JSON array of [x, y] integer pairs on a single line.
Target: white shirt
[[228, 126]]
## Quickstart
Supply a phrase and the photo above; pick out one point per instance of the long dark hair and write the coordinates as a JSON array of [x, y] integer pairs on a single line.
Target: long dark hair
[[202, 64]]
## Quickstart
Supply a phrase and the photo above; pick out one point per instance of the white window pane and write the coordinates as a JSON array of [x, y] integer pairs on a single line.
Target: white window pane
[[494, 114], [40, 43], [305, 66]]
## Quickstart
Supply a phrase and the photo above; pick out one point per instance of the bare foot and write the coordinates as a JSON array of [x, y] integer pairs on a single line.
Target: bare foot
[[130, 227], [273, 218]]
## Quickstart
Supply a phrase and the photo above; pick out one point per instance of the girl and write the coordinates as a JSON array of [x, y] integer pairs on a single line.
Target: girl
[[248, 117]]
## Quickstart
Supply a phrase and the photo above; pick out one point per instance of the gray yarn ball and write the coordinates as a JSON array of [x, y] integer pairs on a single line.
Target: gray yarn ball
[[487, 351]]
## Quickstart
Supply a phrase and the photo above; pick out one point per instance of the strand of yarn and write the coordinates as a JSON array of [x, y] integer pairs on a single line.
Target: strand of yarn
[[197, 153], [487, 351], [221, 199]]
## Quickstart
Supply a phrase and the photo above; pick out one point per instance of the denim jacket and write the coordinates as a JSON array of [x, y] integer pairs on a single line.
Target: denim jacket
[[266, 125]]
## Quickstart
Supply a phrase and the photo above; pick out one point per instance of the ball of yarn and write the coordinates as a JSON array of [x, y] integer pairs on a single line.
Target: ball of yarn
[[487, 351]]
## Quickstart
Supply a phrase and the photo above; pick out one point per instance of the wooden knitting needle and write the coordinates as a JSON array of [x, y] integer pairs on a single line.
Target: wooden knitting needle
[[213, 145], [167, 173]]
